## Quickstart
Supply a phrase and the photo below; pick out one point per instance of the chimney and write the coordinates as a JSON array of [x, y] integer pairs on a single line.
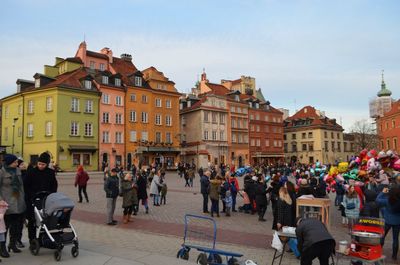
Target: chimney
[[108, 52], [126, 57], [81, 52]]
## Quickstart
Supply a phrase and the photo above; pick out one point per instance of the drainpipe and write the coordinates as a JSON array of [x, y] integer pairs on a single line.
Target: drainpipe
[[22, 127]]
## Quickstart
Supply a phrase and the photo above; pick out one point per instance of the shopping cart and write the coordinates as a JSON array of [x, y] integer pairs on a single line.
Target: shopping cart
[[201, 234]]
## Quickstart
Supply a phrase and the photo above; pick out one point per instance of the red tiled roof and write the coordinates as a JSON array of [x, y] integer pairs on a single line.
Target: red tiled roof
[[217, 89], [310, 113], [96, 54], [123, 67], [70, 79], [237, 81]]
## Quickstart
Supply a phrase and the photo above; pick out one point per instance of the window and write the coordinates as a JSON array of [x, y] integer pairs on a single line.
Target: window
[[251, 117], [205, 135], [118, 100], [102, 68], [333, 146], [168, 120], [266, 142], [258, 142], [266, 118], [293, 136], [240, 138], [49, 104], [106, 137], [20, 109], [168, 137], [132, 116], [168, 103], [234, 138], [310, 135], [332, 135], [266, 128], [117, 82], [30, 106], [145, 136], [89, 106], [338, 136], [87, 84], [258, 128], [393, 124], [158, 102], [145, 117], [244, 111], [387, 125], [37, 82], [311, 147], [205, 116], [303, 136], [106, 117], [395, 143], [214, 117], [246, 139], [238, 110], [88, 129], [144, 99], [252, 142], [214, 135], [326, 134], [158, 137], [294, 148], [118, 138], [118, 118], [49, 128], [138, 81], [233, 109], [222, 118], [158, 119], [326, 146], [339, 147], [75, 105], [252, 128], [92, 65], [133, 136], [304, 147], [221, 136], [74, 128], [133, 97], [233, 123], [105, 99], [387, 144], [257, 117]]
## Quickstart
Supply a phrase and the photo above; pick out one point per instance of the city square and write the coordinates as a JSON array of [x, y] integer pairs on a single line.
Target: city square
[[177, 132]]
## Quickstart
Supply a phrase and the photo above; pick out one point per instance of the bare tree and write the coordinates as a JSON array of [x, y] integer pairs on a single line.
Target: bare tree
[[365, 136]]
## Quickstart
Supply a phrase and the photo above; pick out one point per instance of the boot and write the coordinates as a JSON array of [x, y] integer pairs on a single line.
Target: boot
[[3, 250], [12, 246], [125, 219], [147, 210]]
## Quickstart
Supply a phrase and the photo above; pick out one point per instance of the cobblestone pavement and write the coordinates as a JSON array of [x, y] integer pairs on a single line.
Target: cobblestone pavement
[[161, 231]]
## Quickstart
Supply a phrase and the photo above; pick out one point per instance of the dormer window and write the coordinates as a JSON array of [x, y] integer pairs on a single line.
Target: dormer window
[[117, 82], [257, 106], [37, 82], [87, 84], [237, 98], [104, 79], [250, 104], [138, 81]]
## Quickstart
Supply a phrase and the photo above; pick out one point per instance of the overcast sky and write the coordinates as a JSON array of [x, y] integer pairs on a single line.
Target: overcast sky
[[327, 54]]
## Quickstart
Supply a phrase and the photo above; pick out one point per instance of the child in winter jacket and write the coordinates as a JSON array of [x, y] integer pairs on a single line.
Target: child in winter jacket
[[228, 203]]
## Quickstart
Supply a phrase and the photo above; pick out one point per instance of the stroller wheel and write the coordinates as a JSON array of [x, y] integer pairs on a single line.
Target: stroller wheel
[[34, 247], [57, 255], [74, 251], [202, 259]]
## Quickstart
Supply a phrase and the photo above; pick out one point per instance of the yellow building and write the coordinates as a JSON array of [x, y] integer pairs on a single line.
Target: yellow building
[[310, 136]]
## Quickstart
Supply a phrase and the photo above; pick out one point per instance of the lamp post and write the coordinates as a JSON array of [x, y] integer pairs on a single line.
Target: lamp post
[[13, 132]]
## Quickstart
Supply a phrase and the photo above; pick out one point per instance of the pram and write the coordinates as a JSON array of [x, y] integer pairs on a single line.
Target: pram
[[53, 229]]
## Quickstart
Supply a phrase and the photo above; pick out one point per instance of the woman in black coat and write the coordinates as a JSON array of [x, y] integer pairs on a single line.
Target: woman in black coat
[[273, 189], [142, 190], [284, 209], [261, 199]]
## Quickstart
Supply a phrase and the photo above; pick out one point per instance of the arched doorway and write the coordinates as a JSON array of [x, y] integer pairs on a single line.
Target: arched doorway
[[129, 161]]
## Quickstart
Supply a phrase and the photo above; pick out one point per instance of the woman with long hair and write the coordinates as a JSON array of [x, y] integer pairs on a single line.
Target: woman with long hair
[[351, 204], [284, 209]]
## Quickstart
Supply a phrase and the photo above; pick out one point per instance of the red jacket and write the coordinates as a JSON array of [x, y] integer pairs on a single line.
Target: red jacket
[[81, 178]]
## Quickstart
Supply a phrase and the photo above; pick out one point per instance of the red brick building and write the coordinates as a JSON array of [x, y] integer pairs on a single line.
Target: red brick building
[[388, 128]]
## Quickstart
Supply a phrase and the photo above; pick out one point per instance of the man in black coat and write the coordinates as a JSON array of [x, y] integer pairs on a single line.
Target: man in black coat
[[314, 241], [205, 183], [39, 178]]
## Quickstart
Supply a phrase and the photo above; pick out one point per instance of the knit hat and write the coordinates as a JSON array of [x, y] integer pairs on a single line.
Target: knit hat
[[9, 159], [44, 158]]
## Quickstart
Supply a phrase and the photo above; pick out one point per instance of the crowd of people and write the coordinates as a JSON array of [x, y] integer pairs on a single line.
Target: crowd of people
[[19, 185]]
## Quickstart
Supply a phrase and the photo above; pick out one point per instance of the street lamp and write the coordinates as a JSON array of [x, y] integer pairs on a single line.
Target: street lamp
[[13, 131]]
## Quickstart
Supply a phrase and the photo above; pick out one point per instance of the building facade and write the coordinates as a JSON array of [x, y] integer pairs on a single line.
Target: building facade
[[310, 136], [388, 128]]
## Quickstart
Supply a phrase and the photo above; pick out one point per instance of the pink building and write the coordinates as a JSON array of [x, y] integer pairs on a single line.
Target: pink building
[[109, 74]]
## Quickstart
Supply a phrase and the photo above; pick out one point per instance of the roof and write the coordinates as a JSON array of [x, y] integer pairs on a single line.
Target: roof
[[310, 113], [74, 60], [123, 67], [97, 55], [260, 95], [395, 109]]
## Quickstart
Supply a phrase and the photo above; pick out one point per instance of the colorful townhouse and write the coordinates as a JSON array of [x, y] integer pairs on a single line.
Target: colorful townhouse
[[57, 113], [107, 71]]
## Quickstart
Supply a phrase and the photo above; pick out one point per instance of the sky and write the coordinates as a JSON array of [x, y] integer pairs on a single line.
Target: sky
[[327, 54]]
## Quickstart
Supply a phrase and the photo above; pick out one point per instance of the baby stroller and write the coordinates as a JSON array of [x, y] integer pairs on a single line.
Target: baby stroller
[[53, 229]]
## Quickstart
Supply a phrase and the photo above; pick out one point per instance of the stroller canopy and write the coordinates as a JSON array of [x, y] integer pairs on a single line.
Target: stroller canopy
[[57, 201]]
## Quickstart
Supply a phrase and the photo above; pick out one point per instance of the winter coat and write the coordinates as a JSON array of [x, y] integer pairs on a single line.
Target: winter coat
[[205, 184], [16, 202], [111, 187], [155, 183], [215, 188], [129, 194], [284, 213], [304, 190], [261, 194], [3, 209], [81, 178], [371, 207], [391, 213], [352, 213], [250, 188], [40, 180], [142, 188], [309, 232]]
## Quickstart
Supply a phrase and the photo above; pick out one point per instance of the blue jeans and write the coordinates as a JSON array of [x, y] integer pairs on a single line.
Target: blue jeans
[[156, 199], [234, 194], [395, 233], [293, 246], [338, 199], [215, 206]]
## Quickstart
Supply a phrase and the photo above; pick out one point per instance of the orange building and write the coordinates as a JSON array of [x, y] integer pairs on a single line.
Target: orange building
[[152, 122], [388, 127]]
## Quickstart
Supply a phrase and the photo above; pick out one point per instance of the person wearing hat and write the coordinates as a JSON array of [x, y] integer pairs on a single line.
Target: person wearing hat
[[111, 187], [38, 179], [12, 192]]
